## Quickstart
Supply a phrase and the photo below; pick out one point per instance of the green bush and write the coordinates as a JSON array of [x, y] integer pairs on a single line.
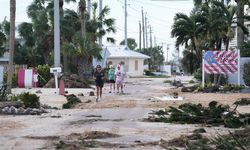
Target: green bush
[[14, 79], [72, 101], [45, 75], [30, 100], [14, 97], [148, 72], [246, 74], [232, 88], [198, 74], [191, 81], [3, 94]]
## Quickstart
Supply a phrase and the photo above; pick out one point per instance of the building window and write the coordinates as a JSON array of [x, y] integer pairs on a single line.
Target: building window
[[136, 65]]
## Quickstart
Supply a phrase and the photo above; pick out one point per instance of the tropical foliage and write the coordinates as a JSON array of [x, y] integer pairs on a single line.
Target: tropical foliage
[[156, 57], [131, 43], [209, 26], [80, 32]]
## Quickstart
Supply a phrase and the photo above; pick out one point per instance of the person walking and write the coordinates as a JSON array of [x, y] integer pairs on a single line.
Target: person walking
[[99, 80], [111, 75], [119, 78]]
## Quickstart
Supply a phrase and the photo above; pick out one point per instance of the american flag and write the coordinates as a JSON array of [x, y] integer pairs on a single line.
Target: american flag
[[221, 62]]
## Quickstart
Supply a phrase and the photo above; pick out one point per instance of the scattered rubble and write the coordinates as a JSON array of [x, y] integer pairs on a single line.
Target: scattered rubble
[[22, 111]]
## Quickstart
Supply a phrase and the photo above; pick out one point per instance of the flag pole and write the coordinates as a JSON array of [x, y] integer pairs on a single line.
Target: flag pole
[[203, 70], [238, 67]]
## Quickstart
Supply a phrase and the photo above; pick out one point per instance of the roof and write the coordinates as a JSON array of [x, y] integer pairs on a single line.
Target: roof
[[123, 52]]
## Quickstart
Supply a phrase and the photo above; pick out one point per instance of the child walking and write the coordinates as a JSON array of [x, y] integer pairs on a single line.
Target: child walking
[[119, 78], [111, 75], [99, 80]]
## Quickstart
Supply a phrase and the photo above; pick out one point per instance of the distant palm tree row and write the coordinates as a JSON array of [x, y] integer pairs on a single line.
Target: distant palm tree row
[[79, 32], [209, 26]]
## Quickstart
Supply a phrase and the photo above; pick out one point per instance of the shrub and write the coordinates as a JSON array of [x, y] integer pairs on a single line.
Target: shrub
[[72, 101], [44, 72], [232, 88], [14, 79], [246, 74], [3, 94], [30, 100], [191, 81], [198, 74], [148, 72]]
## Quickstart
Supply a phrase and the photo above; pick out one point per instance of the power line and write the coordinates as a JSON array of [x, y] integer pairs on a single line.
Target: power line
[[161, 6]]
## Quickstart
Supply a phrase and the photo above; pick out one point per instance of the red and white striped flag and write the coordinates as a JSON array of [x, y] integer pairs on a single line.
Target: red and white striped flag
[[221, 62]]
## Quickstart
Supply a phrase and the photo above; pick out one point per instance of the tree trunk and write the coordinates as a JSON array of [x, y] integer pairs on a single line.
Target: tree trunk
[[65, 58], [227, 44], [215, 79], [11, 44], [84, 67], [240, 19], [82, 8]]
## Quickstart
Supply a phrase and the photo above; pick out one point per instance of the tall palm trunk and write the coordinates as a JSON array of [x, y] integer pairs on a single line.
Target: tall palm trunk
[[82, 9], [83, 65], [11, 44], [240, 15]]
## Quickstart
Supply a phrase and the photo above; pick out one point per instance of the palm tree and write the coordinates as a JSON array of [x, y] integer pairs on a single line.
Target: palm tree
[[85, 50], [240, 16], [131, 43], [41, 13], [11, 44], [25, 31], [70, 25], [3, 39], [187, 32], [99, 25], [82, 10]]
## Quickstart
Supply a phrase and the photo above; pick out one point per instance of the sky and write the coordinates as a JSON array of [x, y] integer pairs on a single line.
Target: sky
[[159, 15]]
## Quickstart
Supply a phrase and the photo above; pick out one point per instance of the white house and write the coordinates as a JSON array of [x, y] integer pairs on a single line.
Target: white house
[[132, 61]]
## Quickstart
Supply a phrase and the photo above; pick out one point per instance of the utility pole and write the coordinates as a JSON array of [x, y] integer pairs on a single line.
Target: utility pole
[[143, 30], [56, 41], [139, 35], [151, 42], [155, 41], [146, 29], [125, 26], [56, 34], [100, 10], [89, 8], [167, 52]]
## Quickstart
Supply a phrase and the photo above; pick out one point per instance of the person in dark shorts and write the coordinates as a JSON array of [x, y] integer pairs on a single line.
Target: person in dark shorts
[[111, 75], [99, 80]]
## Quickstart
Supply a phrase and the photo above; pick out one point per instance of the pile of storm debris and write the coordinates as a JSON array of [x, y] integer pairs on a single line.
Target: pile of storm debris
[[70, 81]]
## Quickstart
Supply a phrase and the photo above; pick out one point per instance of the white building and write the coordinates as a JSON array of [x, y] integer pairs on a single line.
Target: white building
[[233, 42], [132, 61]]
